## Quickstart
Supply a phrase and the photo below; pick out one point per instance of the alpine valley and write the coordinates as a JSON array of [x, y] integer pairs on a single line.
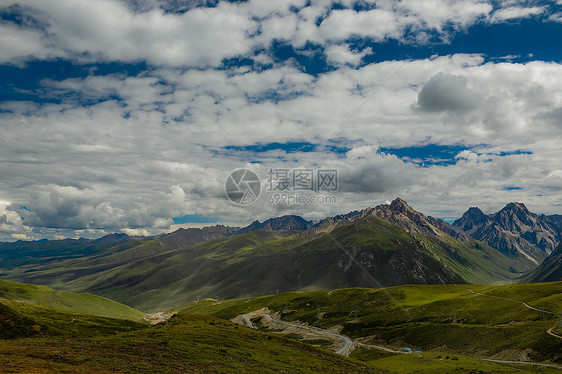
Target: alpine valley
[[362, 284]]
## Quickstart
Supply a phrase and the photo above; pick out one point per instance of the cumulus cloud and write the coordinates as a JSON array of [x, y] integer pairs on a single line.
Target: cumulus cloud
[[10, 222], [116, 152], [110, 30], [446, 92], [341, 24], [19, 44], [367, 171], [69, 207], [180, 35], [342, 55]]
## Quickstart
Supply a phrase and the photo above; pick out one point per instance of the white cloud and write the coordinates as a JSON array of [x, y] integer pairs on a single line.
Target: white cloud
[[435, 14], [18, 44], [11, 225], [203, 36], [108, 30], [367, 171], [341, 55], [129, 153], [556, 17], [515, 12], [342, 24], [448, 93]]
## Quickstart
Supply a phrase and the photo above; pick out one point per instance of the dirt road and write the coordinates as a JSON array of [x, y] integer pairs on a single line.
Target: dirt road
[[344, 349]]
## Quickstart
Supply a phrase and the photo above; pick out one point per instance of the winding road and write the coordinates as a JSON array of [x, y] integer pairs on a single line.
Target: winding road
[[348, 345], [549, 331], [247, 321], [344, 349]]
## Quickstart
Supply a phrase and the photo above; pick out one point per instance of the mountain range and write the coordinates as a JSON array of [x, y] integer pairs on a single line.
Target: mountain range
[[513, 231], [391, 244]]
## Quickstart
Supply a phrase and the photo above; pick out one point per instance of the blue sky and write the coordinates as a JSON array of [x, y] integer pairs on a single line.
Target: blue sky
[[128, 116]]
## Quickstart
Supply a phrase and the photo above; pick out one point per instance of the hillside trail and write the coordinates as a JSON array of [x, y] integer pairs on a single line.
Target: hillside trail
[[522, 363], [344, 349], [549, 331]]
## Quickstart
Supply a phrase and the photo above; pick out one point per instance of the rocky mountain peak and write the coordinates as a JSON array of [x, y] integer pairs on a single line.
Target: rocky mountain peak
[[514, 214], [518, 208], [113, 239], [401, 214], [329, 223], [475, 213], [399, 205], [470, 220], [288, 222]]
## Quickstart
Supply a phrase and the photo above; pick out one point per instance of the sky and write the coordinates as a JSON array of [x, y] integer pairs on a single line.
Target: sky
[[129, 116]]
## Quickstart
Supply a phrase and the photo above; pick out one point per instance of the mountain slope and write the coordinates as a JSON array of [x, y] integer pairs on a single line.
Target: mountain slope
[[470, 259], [22, 253], [190, 236], [370, 252], [66, 301], [388, 245], [513, 231], [15, 325], [550, 270], [38, 311]]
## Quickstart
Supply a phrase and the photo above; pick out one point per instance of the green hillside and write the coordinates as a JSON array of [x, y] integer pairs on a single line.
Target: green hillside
[[265, 262], [66, 301], [15, 325], [36, 320], [186, 344], [550, 269], [46, 331], [155, 275], [445, 319]]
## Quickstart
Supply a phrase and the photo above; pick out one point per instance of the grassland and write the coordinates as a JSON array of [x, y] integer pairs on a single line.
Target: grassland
[[447, 319], [437, 362], [38, 311], [185, 344], [46, 331], [66, 301]]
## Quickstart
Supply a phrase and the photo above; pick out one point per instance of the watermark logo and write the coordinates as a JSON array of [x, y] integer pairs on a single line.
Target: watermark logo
[[315, 180], [301, 186], [243, 186], [284, 186]]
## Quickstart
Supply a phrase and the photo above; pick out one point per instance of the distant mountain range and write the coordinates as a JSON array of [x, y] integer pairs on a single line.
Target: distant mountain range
[[513, 231], [391, 244]]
